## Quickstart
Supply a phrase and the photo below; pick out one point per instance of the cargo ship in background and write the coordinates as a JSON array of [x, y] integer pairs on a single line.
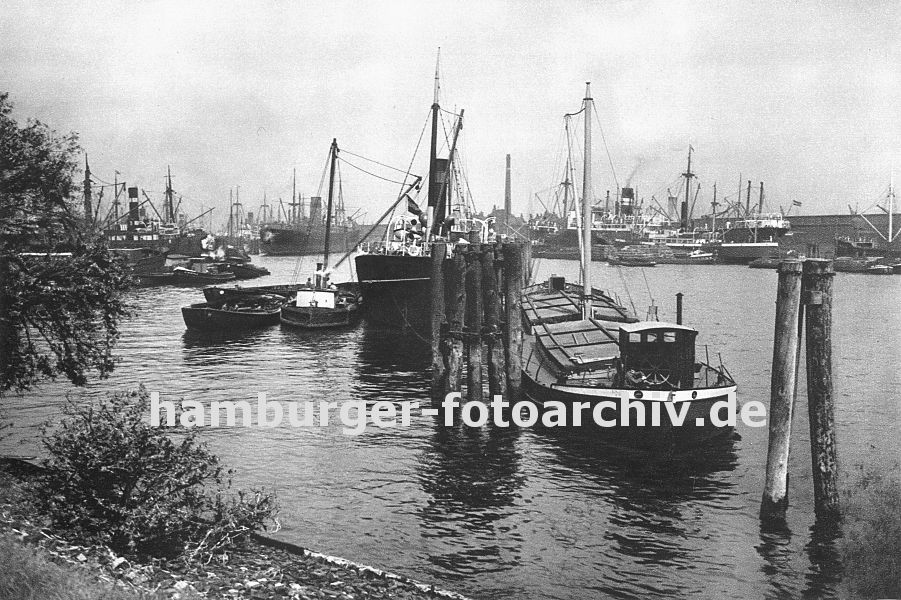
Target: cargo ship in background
[[304, 234], [757, 236], [300, 228]]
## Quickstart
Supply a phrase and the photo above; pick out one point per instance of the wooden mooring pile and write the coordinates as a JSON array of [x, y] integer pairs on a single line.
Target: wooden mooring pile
[[804, 294], [476, 295]]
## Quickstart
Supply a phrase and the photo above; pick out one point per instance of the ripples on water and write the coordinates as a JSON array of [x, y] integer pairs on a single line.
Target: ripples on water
[[526, 513]]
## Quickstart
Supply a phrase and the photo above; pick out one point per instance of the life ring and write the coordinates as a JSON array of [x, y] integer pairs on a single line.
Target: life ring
[[414, 250]]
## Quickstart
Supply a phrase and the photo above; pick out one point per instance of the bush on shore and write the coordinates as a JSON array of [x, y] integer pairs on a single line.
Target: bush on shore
[[114, 479], [871, 545]]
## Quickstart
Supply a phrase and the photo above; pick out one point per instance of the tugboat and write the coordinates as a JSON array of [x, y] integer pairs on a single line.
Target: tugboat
[[580, 355], [323, 305]]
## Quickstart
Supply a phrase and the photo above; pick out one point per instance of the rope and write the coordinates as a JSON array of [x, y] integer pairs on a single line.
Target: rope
[[299, 263], [425, 126], [626, 287], [650, 295], [606, 149], [409, 325], [373, 161], [350, 164]]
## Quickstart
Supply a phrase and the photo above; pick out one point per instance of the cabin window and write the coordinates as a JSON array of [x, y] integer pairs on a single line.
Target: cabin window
[[669, 336], [650, 337]]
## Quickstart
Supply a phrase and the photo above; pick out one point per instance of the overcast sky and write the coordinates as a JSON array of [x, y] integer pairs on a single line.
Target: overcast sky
[[805, 96]]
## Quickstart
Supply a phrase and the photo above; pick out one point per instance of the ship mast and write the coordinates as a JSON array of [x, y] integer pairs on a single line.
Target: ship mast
[[586, 209], [170, 206], [88, 199], [891, 205], [328, 213], [684, 209], [434, 187]]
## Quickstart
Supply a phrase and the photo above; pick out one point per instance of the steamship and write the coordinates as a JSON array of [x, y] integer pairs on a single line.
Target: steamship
[[754, 237], [303, 234], [395, 271]]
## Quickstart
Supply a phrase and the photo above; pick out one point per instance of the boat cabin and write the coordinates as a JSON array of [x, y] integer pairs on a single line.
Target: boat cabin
[[316, 298], [656, 355]]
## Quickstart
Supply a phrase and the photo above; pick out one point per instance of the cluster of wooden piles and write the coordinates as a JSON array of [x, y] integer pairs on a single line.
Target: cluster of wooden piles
[[476, 310]]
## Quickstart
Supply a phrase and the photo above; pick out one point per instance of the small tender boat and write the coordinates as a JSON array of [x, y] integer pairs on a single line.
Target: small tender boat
[[323, 305], [246, 270], [880, 270], [632, 256], [765, 262], [205, 275], [154, 279], [850, 264], [244, 312], [631, 261], [321, 308], [695, 257]]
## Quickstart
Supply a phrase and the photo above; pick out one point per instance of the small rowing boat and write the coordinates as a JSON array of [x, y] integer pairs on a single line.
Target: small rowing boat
[[240, 312]]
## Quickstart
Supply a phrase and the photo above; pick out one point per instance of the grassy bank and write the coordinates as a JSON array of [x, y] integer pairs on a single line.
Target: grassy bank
[[36, 563], [871, 545], [29, 574]]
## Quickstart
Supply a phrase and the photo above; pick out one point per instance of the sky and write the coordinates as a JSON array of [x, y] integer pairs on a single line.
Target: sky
[[804, 96]]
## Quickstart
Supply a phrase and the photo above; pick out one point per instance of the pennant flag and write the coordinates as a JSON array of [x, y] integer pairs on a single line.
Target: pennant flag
[[413, 207]]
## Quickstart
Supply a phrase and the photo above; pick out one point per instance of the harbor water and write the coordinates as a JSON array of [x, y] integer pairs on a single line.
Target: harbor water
[[508, 513]]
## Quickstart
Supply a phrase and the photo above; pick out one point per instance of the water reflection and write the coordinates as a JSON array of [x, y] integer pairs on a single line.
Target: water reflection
[[777, 552], [825, 572], [216, 341], [647, 507], [391, 365], [471, 477]]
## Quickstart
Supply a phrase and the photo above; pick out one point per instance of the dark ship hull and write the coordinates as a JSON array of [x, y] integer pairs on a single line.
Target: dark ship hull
[[303, 240], [743, 253], [397, 289]]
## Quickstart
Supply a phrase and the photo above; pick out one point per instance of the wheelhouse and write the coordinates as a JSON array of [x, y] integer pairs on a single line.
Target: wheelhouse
[[657, 355]]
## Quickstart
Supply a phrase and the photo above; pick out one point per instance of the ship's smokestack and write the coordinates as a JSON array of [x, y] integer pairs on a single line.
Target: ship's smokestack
[[748, 200], [627, 200], [315, 209], [134, 214]]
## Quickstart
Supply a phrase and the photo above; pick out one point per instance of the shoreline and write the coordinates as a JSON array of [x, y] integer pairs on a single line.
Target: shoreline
[[261, 567]]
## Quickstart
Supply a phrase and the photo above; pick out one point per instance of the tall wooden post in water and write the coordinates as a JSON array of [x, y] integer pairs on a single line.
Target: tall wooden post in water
[[473, 328], [452, 331], [513, 278], [804, 292], [497, 381], [439, 252], [783, 387], [818, 275]]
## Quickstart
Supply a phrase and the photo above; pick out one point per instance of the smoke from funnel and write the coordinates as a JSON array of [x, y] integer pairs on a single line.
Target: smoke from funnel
[[639, 162]]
